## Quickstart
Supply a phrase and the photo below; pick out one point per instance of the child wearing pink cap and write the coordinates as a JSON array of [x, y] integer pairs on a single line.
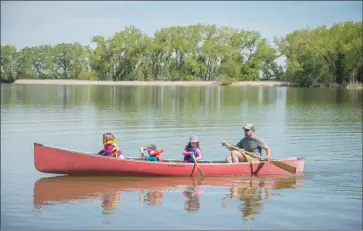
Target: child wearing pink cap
[[192, 148]]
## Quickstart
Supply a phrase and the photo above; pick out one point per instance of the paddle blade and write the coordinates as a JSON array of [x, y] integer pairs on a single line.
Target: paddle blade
[[200, 179], [201, 173], [284, 166]]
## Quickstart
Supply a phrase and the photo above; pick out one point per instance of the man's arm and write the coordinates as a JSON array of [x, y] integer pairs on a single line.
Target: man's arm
[[238, 145], [268, 151], [261, 143]]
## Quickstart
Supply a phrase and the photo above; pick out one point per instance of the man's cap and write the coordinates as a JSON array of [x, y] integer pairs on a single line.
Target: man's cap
[[249, 127]]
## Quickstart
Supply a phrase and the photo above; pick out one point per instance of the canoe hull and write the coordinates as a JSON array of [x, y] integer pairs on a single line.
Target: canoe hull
[[56, 160]]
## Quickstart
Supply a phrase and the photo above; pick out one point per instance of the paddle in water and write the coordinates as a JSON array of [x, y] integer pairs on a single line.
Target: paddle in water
[[277, 163], [200, 171]]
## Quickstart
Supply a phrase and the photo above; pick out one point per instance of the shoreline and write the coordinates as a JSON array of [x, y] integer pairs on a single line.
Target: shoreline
[[149, 83]]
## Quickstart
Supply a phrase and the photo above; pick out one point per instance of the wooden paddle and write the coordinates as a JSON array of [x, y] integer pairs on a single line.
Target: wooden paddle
[[277, 163], [200, 171]]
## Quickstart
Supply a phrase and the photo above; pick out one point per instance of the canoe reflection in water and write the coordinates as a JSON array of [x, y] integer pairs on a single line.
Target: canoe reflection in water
[[252, 194], [63, 189], [192, 204], [152, 198], [110, 201]]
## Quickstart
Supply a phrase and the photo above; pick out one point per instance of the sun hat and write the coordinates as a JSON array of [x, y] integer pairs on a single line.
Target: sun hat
[[193, 138]]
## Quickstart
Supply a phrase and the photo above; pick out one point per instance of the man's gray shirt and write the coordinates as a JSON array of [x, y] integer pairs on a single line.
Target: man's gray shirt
[[252, 144]]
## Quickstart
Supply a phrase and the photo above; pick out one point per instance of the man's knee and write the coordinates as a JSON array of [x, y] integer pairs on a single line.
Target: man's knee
[[241, 157], [235, 153]]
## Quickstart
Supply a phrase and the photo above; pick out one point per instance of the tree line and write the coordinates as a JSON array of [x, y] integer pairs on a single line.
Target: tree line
[[314, 56]]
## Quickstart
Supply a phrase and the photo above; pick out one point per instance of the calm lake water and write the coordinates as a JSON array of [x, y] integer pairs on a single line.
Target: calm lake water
[[322, 125]]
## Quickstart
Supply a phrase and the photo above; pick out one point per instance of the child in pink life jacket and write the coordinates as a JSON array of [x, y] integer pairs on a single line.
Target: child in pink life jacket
[[110, 147], [192, 148]]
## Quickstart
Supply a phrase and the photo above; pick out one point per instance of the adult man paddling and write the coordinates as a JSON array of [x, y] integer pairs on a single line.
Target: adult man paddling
[[250, 143]]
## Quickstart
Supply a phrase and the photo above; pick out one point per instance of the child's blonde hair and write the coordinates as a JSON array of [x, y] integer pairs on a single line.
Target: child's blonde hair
[[108, 137]]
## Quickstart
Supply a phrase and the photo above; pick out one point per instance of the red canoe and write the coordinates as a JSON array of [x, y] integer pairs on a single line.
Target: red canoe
[[49, 159]]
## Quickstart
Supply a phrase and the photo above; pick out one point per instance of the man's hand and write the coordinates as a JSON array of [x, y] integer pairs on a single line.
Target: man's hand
[[224, 143]]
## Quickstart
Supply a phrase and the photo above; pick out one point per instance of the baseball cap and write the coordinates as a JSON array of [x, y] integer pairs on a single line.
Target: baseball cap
[[249, 127]]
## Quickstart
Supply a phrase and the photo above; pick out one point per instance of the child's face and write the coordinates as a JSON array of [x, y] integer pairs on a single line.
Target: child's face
[[149, 151], [193, 144]]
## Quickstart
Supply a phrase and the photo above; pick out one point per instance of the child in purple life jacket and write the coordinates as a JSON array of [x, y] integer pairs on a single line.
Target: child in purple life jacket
[[110, 147], [192, 148]]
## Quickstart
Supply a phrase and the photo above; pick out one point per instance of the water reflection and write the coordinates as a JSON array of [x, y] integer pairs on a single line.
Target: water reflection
[[192, 204], [171, 98], [109, 202], [251, 191], [252, 194], [152, 197]]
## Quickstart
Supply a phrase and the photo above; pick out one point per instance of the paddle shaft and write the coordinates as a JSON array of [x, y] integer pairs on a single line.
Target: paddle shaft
[[277, 163], [243, 151]]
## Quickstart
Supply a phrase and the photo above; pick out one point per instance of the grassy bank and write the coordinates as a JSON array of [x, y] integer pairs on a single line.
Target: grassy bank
[[355, 86]]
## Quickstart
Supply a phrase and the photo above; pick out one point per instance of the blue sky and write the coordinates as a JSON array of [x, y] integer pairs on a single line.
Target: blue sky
[[37, 23]]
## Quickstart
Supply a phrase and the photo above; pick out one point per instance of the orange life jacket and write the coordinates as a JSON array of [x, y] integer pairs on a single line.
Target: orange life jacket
[[157, 154]]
